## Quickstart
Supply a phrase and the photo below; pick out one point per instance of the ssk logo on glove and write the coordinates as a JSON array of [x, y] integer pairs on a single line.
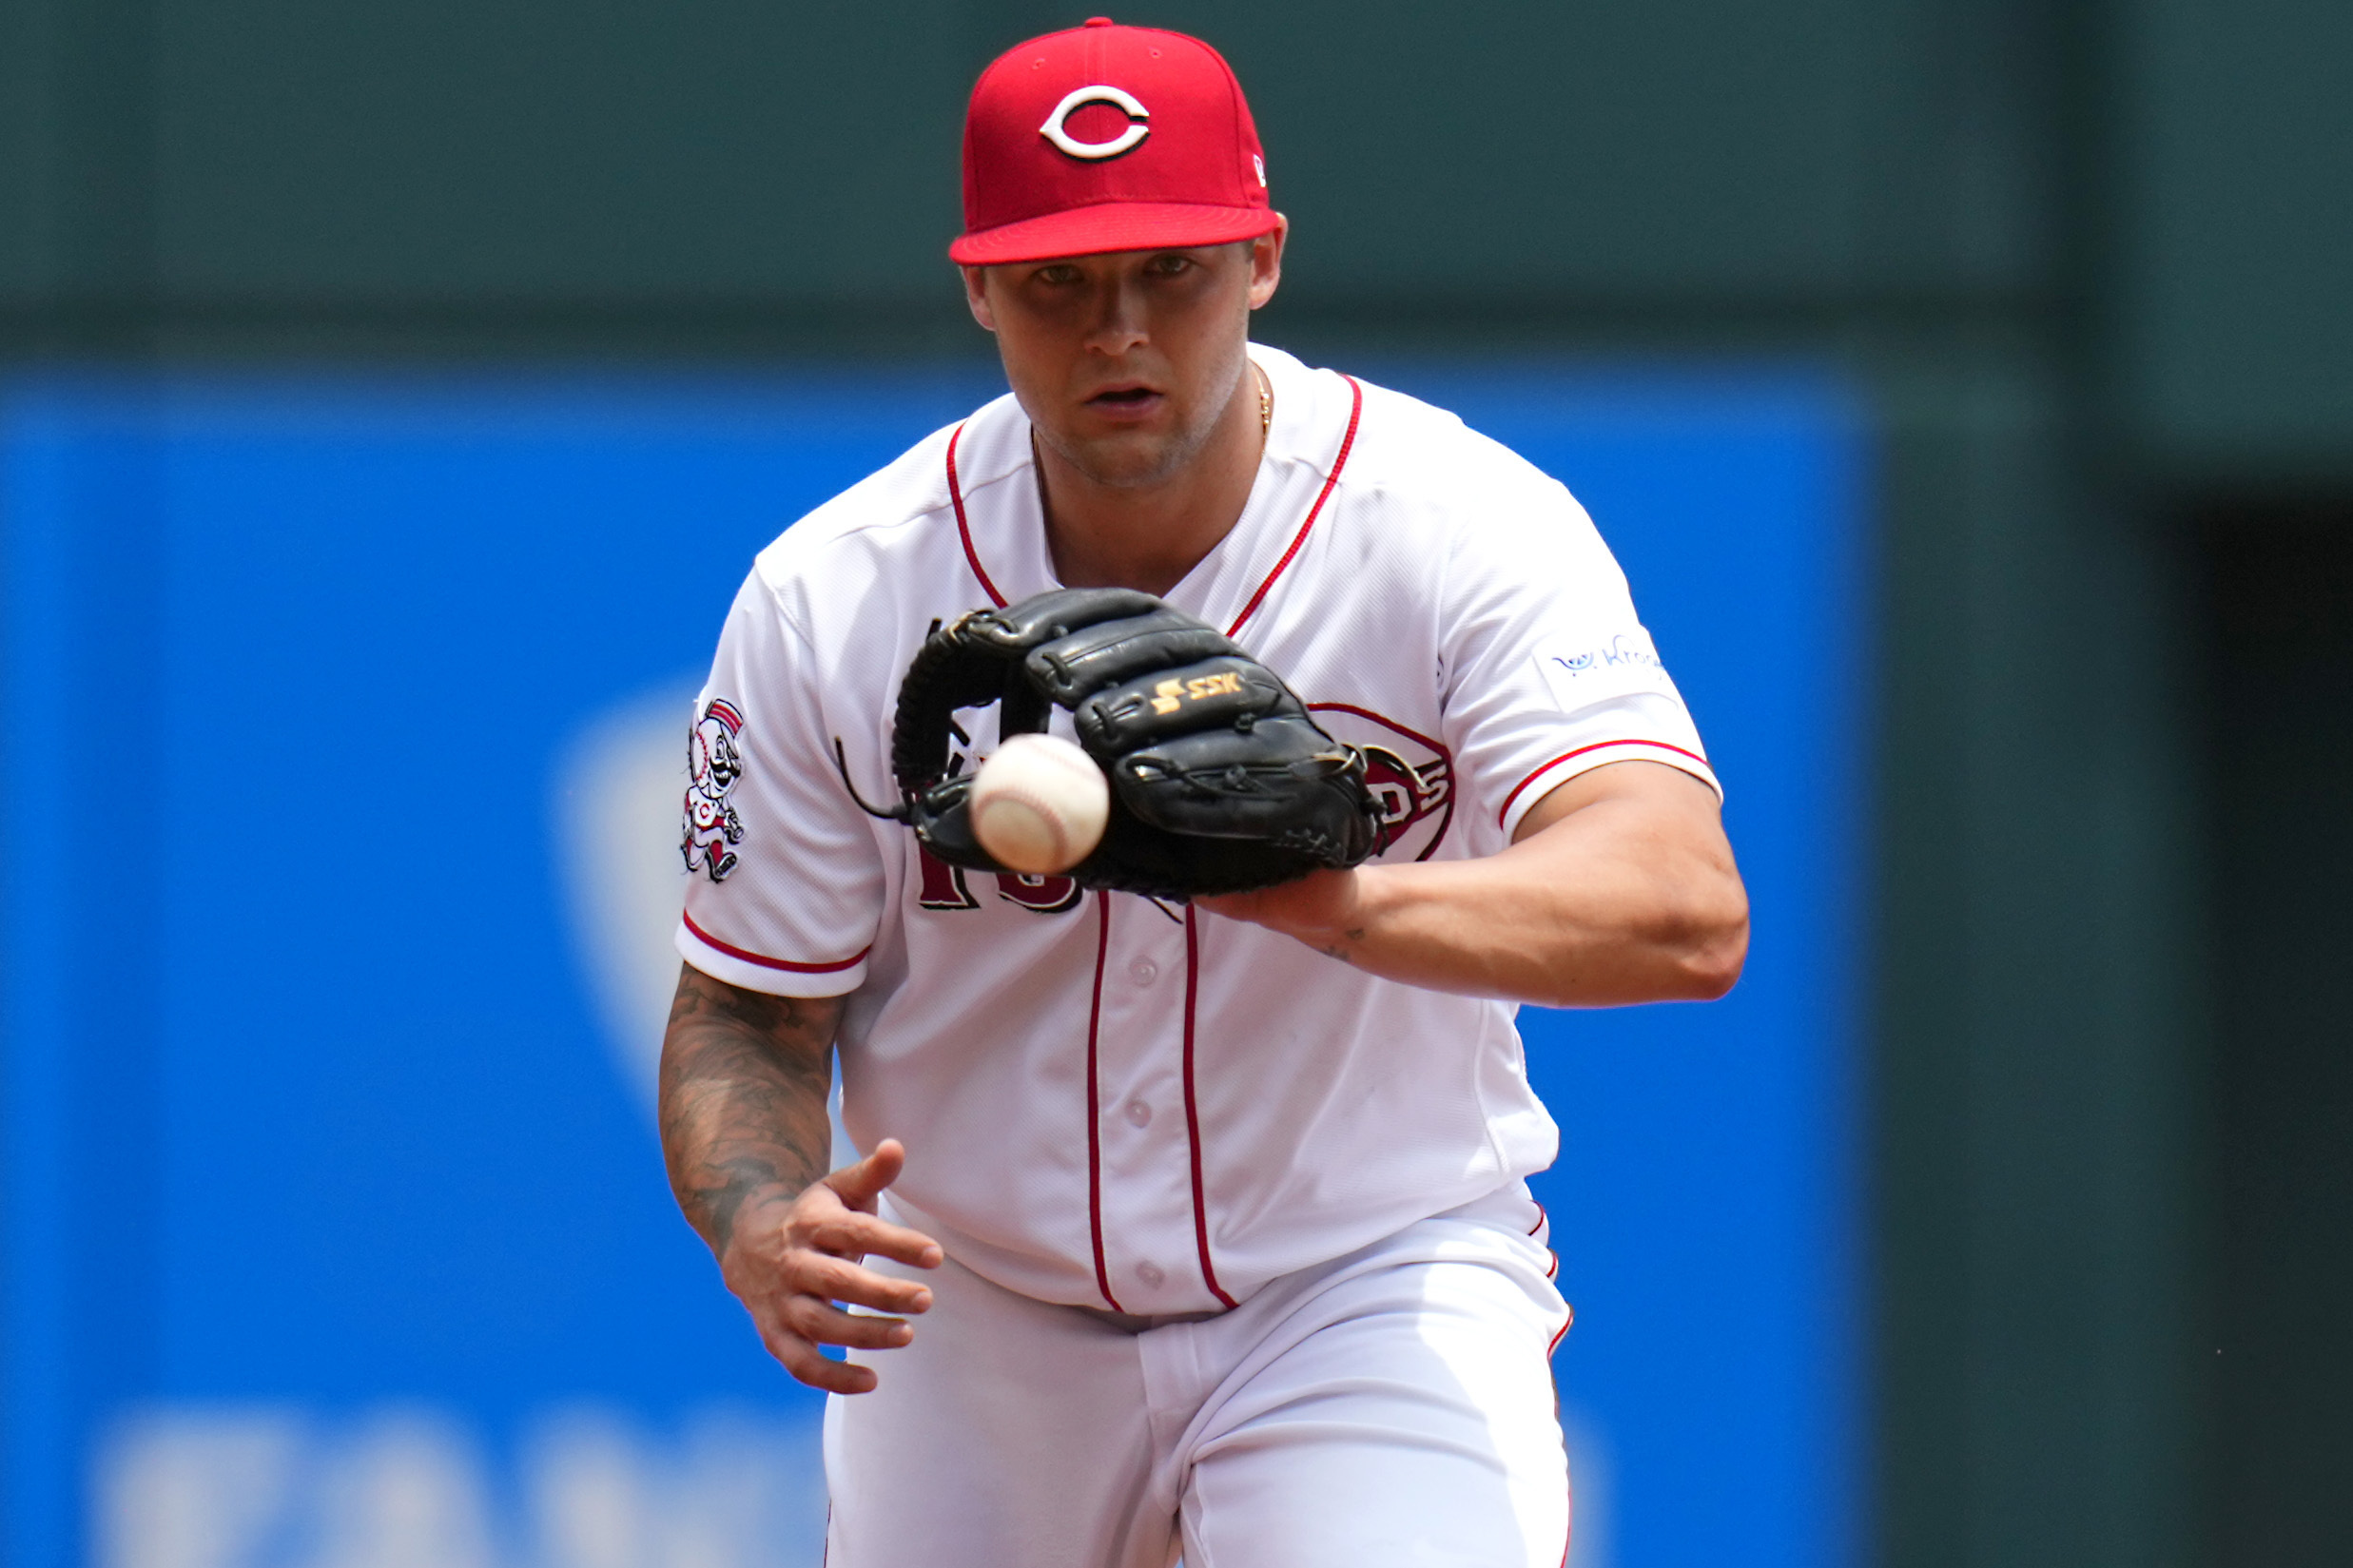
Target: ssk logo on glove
[[1168, 696]]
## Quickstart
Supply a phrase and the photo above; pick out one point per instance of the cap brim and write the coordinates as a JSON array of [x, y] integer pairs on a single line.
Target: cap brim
[[1114, 225]]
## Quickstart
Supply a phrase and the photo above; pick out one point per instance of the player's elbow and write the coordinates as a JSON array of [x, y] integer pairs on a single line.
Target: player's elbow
[[1706, 940], [1686, 946], [1713, 967]]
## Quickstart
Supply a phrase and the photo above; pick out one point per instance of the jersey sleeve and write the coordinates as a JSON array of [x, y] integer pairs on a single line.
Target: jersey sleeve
[[1548, 670], [785, 883]]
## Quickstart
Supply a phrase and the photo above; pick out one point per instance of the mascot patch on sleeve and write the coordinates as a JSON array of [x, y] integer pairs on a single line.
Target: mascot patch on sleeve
[[709, 824]]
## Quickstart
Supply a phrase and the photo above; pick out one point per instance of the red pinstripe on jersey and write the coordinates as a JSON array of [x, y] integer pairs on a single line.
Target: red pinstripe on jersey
[[1193, 1114], [1505, 814], [1356, 411], [963, 525], [1095, 1110], [708, 941]]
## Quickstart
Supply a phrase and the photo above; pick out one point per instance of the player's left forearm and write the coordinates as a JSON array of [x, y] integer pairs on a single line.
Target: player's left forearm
[[743, 1088]]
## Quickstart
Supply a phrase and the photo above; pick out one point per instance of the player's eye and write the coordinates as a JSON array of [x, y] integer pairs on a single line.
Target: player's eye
[[1168, 265], [1058, 276]]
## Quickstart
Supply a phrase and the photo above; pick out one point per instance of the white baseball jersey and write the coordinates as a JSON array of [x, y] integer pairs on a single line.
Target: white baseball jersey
[[1107, 1102]]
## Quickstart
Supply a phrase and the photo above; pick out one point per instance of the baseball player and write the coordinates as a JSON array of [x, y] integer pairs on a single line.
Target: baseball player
[[1193, 1212]]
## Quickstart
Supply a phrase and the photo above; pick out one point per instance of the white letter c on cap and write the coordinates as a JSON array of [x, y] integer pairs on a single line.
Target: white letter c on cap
[[1138, 126]]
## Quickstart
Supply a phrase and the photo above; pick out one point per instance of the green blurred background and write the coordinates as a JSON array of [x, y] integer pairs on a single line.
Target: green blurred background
[[2092, 264]]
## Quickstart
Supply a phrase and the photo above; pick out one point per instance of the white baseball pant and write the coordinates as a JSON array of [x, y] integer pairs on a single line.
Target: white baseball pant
[[1391, 1407]]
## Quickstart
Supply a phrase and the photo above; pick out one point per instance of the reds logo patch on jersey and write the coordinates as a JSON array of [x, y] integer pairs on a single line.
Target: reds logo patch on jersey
[[709, 825]]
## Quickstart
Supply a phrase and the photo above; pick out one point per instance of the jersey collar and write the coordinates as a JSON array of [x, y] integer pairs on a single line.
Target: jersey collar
[[993, 490]]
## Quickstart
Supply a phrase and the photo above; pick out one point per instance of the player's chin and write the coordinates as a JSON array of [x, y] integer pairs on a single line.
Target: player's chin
[[1129, 457]]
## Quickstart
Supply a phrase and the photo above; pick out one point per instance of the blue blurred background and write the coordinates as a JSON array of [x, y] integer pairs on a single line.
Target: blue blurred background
[[338, 1228], [390, 396]]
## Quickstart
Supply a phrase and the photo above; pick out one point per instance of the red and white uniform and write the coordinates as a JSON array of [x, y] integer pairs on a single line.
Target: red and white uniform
[[1112, 1105]]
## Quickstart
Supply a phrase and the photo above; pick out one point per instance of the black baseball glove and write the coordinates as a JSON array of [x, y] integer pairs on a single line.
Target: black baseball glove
[[1220, 781]]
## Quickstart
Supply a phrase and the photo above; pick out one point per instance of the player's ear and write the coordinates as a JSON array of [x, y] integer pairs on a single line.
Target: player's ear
[[976, 297], [1266, 261]]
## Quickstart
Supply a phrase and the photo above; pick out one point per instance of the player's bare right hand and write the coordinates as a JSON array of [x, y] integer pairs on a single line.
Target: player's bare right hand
[[791, 1259]]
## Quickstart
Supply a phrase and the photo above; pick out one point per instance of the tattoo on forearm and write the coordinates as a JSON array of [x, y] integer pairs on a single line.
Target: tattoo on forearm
[[1342, 950], [742, 1098]]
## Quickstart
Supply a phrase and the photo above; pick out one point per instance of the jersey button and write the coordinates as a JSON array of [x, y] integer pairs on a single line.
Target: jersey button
[[1138, 1114], [1143, 972], [1150, 1275]]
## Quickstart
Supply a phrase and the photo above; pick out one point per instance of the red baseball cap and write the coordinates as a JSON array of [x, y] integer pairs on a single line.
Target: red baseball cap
[[1108, 138]]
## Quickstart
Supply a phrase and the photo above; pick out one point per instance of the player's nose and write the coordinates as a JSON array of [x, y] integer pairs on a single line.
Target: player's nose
[[1119, 322]]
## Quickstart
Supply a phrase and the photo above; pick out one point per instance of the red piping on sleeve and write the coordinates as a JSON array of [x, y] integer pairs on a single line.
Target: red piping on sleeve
[[1356, 411], [708, 941], [1505, 815], [1193, 1114], [1095, 1152], [963, 528]]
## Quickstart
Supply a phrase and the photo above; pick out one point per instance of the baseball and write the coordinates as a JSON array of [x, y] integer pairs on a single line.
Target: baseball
[[1040, 805]]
